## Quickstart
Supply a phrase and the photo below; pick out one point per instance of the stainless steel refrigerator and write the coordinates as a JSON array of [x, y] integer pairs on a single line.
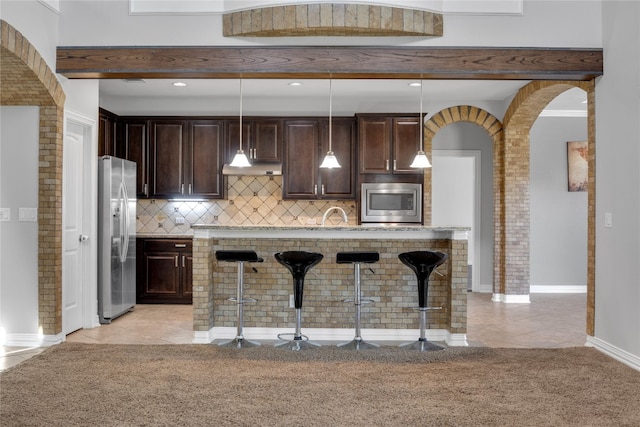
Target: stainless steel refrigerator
[[116, 237]]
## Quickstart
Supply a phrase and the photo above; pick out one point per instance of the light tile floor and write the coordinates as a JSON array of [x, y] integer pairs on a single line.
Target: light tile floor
[[550, 320]]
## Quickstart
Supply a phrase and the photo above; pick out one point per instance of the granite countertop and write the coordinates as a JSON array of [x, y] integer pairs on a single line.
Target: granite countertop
[[405, 232], [364, 227]]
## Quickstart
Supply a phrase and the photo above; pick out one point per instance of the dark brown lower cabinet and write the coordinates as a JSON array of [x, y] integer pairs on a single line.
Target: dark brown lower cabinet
[[164, 271]]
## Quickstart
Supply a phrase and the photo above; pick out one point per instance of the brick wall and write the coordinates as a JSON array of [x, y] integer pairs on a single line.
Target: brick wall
[[328, 284]]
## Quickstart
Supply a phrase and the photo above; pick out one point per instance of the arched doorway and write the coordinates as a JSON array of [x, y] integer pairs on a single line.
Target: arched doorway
[[26, 79]]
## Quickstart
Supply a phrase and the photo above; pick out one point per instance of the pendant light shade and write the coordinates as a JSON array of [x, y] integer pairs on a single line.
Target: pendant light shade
[[421, 161], [240, 159], [330, 161]]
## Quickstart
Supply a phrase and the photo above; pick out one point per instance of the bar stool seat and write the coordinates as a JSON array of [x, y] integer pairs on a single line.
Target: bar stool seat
[[357, 258], [298, 263], [240, 257], [423, 263]]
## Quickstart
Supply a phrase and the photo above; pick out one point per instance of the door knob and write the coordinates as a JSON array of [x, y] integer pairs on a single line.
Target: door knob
[[84, 238]]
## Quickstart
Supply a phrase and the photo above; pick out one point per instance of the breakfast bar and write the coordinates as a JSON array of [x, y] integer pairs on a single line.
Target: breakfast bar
[[389, 285]]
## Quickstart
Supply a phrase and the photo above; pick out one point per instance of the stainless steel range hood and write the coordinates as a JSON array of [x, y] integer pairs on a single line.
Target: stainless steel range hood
[[254, 170]]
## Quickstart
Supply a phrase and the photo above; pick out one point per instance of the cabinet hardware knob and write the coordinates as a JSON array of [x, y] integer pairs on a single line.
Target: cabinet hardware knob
[[395, 165], [322, 189], [180, 245], [315, 189], [176, 261], [386, 165]]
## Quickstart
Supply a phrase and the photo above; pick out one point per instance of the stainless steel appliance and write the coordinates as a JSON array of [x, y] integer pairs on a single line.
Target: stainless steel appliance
[[385, 203], [116, 237]]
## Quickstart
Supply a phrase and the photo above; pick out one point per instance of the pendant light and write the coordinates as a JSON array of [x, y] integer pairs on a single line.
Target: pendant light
[[330, 160], [240, 159], [421, 160]]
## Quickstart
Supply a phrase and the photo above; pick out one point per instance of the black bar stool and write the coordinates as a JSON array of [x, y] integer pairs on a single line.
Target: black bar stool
[[298, 263], [239, 256], [423, 263], [357, 258]]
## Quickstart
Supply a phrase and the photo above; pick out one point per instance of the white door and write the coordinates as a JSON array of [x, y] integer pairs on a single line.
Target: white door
[[456, 196], [72, 223]]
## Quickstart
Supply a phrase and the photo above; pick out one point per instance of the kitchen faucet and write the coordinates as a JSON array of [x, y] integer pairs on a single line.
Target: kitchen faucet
[[335, 208]]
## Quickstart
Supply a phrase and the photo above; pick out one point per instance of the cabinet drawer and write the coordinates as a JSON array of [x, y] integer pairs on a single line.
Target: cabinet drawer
[[168, 245]]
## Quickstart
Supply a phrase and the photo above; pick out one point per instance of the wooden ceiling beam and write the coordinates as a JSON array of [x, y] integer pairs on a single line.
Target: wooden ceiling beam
[[330, 62]]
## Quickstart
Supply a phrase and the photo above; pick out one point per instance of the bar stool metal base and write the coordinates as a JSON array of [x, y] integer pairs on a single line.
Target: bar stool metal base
[[239, 343], [358, 344], [422, 345], [298, 344]]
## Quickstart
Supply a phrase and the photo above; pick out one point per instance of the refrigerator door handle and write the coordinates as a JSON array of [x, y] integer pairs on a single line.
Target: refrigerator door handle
[[124, 223]]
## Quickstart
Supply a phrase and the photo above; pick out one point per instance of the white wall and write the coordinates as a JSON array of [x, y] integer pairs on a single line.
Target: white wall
[[544, 23], [37, 22], [19, 143], [617, 292], [558, 250]]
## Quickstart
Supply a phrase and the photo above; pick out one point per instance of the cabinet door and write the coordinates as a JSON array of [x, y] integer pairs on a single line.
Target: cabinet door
[[106, 134], [339, 183], [406, 143], [167, 143], [300, 159], [187, 276], [162, 276], [374, 146], [267, 141], [204, 162], [134, 134]]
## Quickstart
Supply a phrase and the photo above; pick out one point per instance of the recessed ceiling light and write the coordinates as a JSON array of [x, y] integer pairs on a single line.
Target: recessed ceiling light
[[179, 84], [295, 84], [415, 84]]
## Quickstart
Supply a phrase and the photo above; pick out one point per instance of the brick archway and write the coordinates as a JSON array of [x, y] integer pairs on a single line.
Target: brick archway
[[26, 79], [519, 118], [493, 127]]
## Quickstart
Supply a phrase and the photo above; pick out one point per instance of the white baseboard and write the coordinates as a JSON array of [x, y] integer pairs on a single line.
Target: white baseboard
[[620, 355], [332, 334], [558, 289], [486, 288], [32, 340]]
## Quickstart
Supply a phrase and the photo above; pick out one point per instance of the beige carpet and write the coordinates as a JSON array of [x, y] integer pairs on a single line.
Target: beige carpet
[[200, 385]]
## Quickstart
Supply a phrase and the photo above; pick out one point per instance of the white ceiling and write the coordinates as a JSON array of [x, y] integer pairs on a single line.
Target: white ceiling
[[276, 96]]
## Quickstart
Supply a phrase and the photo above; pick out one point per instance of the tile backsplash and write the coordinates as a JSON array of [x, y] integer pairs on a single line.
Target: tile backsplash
[[252, 200]]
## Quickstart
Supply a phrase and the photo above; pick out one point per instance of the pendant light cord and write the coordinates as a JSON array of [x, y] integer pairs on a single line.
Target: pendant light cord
[[420, 120], [240, 114], [330, 110]]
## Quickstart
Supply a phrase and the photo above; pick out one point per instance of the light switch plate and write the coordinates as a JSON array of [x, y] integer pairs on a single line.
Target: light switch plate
[[28, 214], [608, 220], [5, 214]]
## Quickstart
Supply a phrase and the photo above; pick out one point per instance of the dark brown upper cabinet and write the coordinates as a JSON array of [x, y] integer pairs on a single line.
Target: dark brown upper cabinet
[[261, 139], [387, 144], [186, 158], [167, 151], [133, 144], [106, 133], [305, 144]]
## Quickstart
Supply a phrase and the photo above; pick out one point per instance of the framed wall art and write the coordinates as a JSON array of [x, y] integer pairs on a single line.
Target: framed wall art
[[577, 165]]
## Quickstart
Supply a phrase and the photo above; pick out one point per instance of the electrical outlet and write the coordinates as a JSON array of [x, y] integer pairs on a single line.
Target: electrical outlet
[[179, 220], [5, 214], [608, 220], [28, 214]]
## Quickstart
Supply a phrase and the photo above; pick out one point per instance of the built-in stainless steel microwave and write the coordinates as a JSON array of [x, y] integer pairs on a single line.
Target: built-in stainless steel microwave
[[391, 203]]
